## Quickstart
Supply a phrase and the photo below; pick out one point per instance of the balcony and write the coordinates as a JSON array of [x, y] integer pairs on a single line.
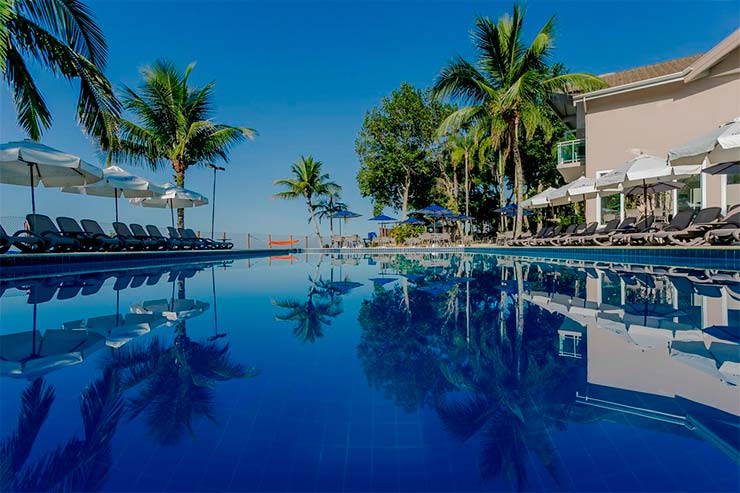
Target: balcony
[[572, 159]]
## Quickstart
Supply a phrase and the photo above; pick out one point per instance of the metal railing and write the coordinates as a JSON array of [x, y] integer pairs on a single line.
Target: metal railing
[[572, 151]]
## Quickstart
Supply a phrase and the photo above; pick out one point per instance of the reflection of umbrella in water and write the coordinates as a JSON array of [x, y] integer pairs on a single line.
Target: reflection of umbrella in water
[[173, 310], [382, 281], [652, 310], [721, 361], [31, 355], [117, 329], [726, 333]]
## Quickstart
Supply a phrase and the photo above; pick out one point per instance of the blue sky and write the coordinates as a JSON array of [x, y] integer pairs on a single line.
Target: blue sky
[[303, 73]]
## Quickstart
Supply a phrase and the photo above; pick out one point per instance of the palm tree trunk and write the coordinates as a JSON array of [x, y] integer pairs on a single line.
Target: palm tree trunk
[[467, 187], [315, 222], [514, 131], [180, 182], [500, 173]]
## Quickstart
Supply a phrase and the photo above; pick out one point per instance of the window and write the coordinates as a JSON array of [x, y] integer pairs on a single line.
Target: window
[[570, 345], [689, 197]]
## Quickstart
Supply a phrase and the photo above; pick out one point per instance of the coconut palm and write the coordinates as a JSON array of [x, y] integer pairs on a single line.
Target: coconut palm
[[177, 381], [510, 82], [62, 37], [308, 182], [466, 147], [326, 208], [174, 124]]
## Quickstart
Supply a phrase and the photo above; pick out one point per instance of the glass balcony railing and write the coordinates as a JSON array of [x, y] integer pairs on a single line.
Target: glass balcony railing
[[572, 151]]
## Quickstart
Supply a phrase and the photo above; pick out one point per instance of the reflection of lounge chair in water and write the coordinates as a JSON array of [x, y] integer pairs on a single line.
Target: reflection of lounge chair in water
[[30, 355]]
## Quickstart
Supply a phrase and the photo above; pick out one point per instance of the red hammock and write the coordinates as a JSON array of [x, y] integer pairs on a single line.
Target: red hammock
[[287, 242]]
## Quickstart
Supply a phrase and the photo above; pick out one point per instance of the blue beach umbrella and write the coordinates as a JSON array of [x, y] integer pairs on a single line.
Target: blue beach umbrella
[[525, 212], [383, 219], [344, 215], [506, 208], [433, 210], [413, 220]]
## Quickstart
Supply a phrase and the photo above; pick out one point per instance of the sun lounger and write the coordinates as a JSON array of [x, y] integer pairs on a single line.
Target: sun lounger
[[566, 233], [92, 228], [725, 232], [525, 240], [172, 243], [140, 233], [683, 235], [23, 240], [603, 237], [55, 239], [680, 221], [130, 240], [89, 241], [577, 237], [199, 243], [545, 239]]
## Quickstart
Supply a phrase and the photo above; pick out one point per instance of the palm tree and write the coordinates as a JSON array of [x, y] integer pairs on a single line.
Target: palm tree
[[325, 209], [308, 182], [62, 37], [465, 146], [511, 82], [175, 124]]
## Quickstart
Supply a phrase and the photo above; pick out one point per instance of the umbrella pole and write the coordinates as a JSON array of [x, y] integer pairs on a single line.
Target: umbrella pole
[[33, 193], [33, 341], [115, 198], [644, 196], [172, 214]]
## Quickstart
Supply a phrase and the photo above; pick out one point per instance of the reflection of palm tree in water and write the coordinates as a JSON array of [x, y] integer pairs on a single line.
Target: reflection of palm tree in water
[[323, 303], [177, 382], [83, 463], [512, 400]]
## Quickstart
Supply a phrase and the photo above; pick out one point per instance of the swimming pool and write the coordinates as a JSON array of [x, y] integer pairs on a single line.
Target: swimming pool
[[423, 372]]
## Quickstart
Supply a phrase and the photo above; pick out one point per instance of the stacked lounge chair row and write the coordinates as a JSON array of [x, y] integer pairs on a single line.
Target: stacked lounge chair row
[[67, 235], [687, 228]]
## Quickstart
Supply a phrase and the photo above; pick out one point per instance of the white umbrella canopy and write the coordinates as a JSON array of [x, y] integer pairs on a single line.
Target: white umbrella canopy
[[172, 310], [642, 171], [118, 182], [29, 163], [575, 191], [721, 145], [538, 201], [173, 197], [116, 329]]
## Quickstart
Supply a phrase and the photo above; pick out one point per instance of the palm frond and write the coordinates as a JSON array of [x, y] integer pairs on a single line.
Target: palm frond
[[32, 113]]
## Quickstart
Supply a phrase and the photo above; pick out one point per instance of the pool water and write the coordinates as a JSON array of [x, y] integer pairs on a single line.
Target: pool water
[[372, 373]]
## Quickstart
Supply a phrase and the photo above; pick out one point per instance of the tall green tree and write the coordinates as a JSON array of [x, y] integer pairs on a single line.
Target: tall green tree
[[62, 37], [511, 81], [396, 149], [308, 181], [174, 124]]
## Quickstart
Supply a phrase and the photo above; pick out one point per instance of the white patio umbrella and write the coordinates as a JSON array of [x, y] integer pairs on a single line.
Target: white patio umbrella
[[575, 191], [173, 310], [29, 163], [117, 329], [644, 174], [118, 182], [173, 197], [721, 145], [538, 201]]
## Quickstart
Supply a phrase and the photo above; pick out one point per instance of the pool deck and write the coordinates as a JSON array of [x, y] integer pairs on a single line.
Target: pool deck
[[20, 265]]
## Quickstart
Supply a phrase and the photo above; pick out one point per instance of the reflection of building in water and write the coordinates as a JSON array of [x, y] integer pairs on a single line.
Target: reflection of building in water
[[660, 350]]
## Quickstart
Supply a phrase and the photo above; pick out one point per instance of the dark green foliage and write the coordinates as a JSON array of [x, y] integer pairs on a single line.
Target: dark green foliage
[[396, 148]]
